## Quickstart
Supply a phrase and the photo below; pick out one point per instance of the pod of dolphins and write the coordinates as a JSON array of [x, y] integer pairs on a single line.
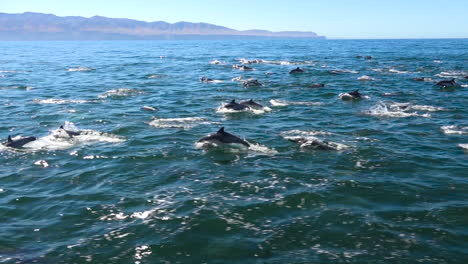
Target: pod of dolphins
[[223, 137]]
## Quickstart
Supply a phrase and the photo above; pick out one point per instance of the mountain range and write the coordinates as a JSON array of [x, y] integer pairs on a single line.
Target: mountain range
[[39, 26]]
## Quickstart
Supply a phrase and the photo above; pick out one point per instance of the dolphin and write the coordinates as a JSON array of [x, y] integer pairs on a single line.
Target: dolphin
[[368, 57], [252, 82], [204, 79], [243, 67], [251, 104], [447, 83], [350, 96], [18, 143], [355, 94], [315, 143], [297, 70], [70, 133], [222, 137], [317, 85], [235, 106]]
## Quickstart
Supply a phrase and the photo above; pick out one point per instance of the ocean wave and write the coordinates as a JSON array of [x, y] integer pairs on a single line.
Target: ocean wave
[[397, 71], [60, 101], [121, 92], [382, 109], [451, 74], [79, 69], [277, 102], [275, 62], [455, 130], [304, 133], [182, 122]]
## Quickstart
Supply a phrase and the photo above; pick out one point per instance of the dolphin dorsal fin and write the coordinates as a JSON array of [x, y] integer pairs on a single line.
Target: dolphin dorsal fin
[[233, 101], [251, 100], [61, 127], [221, 130], [9, 139], [357, 91]]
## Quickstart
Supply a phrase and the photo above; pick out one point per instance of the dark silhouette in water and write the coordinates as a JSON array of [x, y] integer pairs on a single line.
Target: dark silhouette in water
[[18, 143], [243, 67], [204, 79], [222, 137], [356, 94], [317, 85], [447, 83], [235, 106], [252, 82], [297, 70], [70, 133], [251, 104]]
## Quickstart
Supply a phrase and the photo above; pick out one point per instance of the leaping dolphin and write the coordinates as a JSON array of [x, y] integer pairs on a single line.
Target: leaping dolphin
[[447, 83], [69, 132], [252, 104], [235, 106], [351, 95], [222, 137], [18, 143]]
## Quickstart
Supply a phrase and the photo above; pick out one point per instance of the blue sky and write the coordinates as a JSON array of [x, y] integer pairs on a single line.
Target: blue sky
[[332, 18]]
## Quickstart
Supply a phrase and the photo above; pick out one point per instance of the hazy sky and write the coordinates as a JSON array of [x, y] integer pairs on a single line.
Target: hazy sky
[[332, 18]]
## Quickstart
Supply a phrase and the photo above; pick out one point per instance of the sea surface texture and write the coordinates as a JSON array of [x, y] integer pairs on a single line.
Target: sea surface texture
[[382, 179]]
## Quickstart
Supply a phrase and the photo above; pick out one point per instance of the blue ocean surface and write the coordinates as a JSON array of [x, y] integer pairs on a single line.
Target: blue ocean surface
[[382, 179]]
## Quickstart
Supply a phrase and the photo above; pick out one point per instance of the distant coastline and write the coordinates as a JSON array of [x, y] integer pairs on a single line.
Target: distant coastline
[[31, 26]]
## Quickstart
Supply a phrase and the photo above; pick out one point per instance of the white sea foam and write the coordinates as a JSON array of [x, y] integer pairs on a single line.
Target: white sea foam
[[304, 133], [463, 146], [121, 92], [42, 163], [217, 62], [258, 111], [464, 85], [308, 140], [455, 130], [437, 61], [365, 78], [451, 74], [60, 101], [59, 139], [382, 109], [397, 71], [348, 97], [258, 148], [80, 69], [182, 122], [276, 102]]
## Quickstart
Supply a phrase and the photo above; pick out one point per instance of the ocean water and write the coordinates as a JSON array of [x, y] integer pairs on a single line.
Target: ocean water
[[134, 187]]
